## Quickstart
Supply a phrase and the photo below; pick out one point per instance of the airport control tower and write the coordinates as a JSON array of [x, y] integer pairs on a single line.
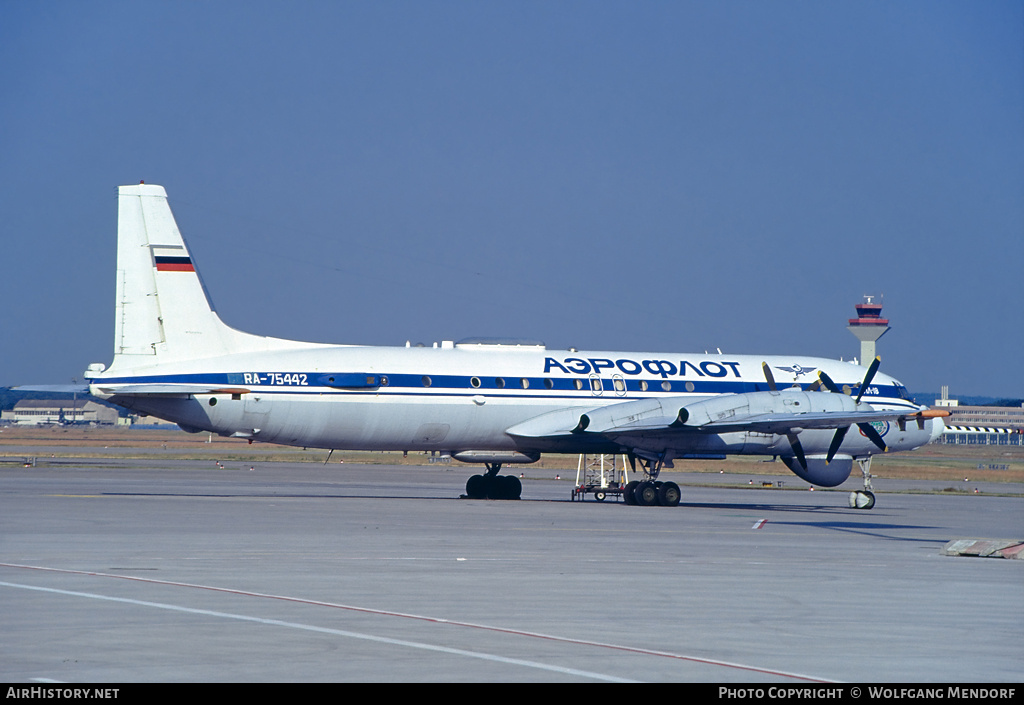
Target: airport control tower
[[868, 326]]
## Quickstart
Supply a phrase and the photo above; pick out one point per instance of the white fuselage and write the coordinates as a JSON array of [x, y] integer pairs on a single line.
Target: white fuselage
[[456, 398], [480, 401]]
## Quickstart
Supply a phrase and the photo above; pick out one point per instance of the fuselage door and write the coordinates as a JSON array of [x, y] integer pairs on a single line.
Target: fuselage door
[[255, 412], [619, 385]]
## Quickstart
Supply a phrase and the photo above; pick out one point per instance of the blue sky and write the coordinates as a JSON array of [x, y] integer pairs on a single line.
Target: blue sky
[[650, 176]]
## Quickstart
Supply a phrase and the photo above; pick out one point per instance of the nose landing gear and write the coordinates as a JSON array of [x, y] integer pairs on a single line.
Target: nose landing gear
[[865, 498]]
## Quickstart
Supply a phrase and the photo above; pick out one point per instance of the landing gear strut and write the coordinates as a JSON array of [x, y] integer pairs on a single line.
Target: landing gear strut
[[865, 498], [494, 486], [650, 492]]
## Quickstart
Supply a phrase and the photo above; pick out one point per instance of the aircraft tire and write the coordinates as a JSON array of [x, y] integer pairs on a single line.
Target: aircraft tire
[[509, 487], [669, 494], [476, 487], [646, 494], [627, 492], [862, 499]]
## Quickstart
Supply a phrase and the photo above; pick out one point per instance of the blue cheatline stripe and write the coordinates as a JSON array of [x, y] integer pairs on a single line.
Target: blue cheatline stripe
[[463, 385], [466, 382]]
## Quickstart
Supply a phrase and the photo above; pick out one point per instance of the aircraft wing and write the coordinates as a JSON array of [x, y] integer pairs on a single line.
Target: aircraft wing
[[783, 423], [762, 412]]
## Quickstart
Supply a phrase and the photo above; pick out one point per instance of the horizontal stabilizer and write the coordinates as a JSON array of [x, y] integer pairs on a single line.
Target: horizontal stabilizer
[[130, 390], [53, 388]]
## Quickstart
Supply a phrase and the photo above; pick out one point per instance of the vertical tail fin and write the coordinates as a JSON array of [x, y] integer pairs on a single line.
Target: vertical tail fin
[[163, 311], [162, 308]]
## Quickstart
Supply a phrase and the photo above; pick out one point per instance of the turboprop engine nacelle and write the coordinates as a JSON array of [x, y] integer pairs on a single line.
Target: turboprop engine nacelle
[[820, 472]]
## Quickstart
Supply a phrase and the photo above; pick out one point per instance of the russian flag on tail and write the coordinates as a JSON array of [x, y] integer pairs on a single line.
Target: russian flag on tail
[[174, 264], [172, 258]]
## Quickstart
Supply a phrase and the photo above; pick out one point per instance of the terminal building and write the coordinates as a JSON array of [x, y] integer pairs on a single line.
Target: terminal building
[[981, 425], [58, 412]]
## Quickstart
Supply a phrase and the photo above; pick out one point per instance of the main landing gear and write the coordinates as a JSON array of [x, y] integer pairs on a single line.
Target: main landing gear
[[650, 492], [865, 498], [494, 486]]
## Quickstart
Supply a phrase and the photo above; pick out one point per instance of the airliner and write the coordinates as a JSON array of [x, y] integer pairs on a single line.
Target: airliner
[[485, 401]]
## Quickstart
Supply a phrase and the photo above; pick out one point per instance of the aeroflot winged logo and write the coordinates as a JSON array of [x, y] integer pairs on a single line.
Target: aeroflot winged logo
[[797, 369], [661, 368]]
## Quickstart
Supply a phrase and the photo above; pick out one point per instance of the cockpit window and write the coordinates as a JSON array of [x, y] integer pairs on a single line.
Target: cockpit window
[[902, 392]]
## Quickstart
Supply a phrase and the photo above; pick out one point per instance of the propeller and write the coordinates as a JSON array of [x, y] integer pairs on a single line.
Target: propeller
[[867, 429], [794, 440], [798, 450], [872, 369]]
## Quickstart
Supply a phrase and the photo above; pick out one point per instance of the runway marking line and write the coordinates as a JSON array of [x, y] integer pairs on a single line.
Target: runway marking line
[[388, 613], [326, 630]]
